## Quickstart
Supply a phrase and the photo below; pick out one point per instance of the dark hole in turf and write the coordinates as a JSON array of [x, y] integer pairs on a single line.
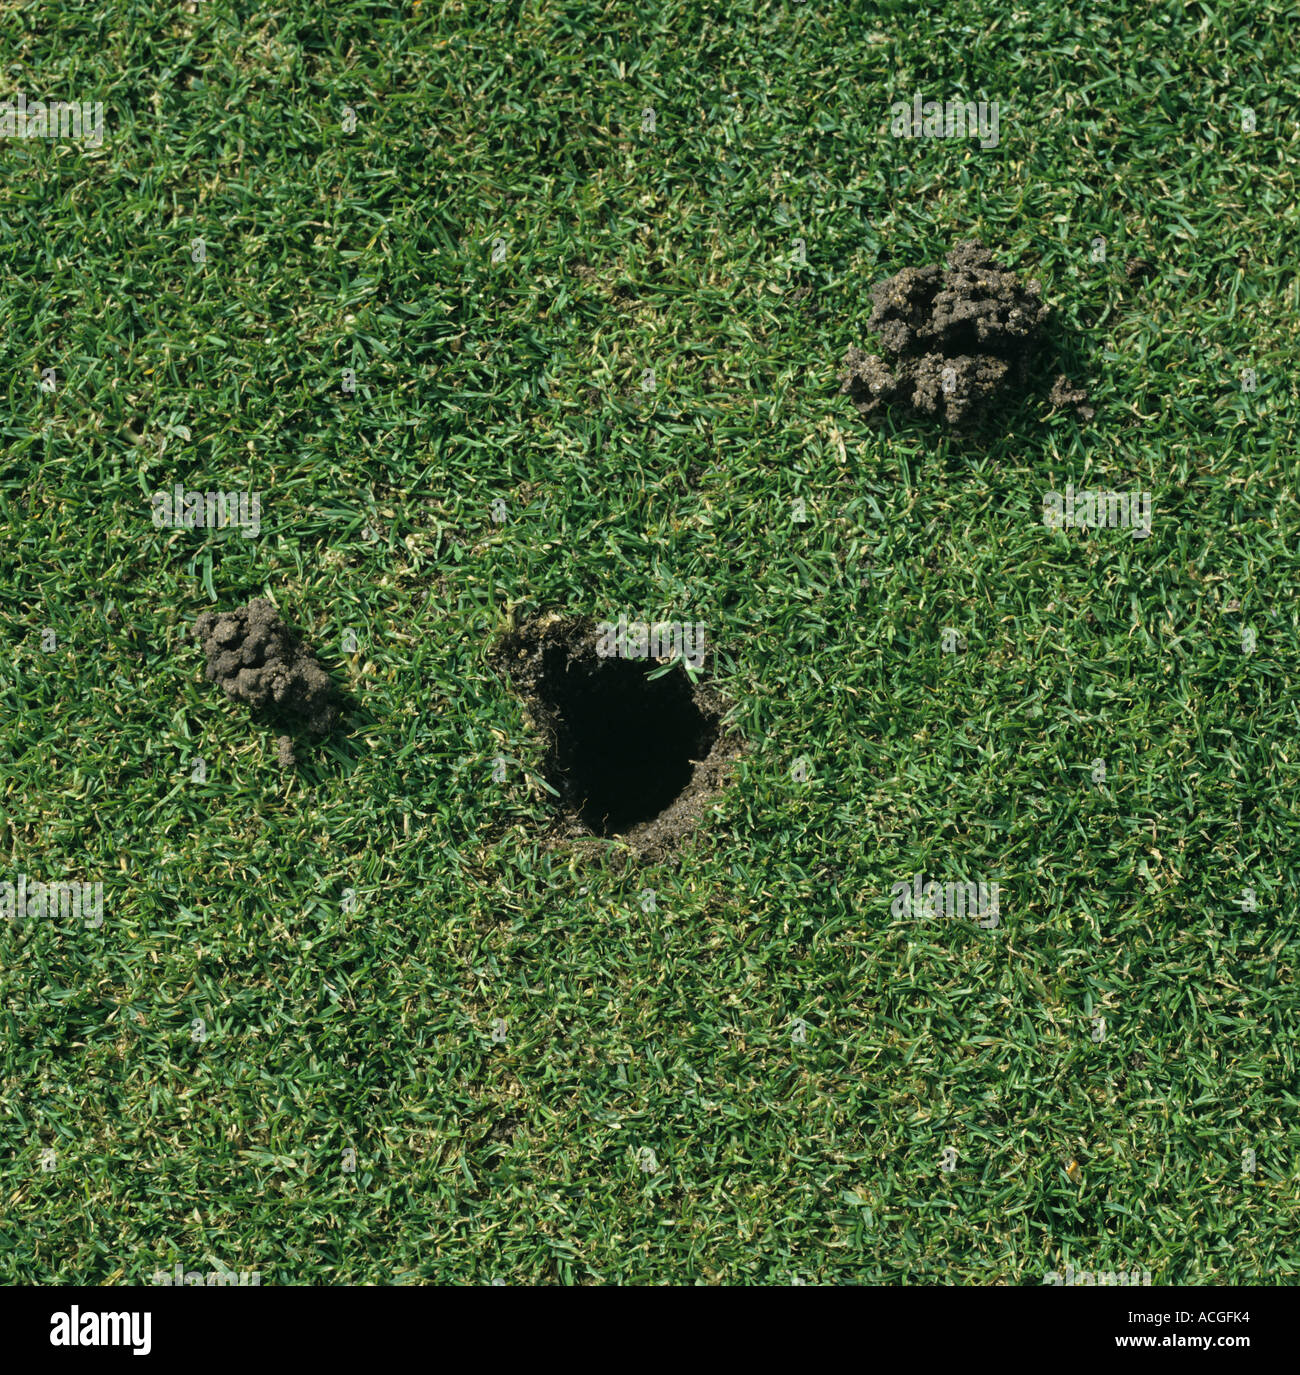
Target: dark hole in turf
[[623, 744]]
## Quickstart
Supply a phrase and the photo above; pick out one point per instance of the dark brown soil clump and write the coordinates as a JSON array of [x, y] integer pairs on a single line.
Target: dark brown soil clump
[[259, 661], [958, 339], [629, 756], [1065, 393]]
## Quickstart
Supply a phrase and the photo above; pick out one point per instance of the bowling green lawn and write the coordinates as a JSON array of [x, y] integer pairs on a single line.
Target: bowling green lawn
[[367, 1022]]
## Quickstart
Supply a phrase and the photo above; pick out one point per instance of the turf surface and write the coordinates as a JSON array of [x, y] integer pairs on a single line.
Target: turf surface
[[740, 1066]]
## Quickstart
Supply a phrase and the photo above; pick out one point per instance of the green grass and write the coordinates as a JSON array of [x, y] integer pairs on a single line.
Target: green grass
[[331, 1026]]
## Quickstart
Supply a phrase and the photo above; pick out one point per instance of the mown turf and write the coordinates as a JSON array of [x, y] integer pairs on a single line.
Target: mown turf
[[548, 1075]]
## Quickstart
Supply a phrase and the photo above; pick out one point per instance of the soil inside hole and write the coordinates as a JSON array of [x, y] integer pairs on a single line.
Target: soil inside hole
[[628, 755]]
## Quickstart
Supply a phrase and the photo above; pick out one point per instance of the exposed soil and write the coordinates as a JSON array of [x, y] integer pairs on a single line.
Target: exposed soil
[[1065, 393], [629, 757], [259, 661], [959, 340]]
